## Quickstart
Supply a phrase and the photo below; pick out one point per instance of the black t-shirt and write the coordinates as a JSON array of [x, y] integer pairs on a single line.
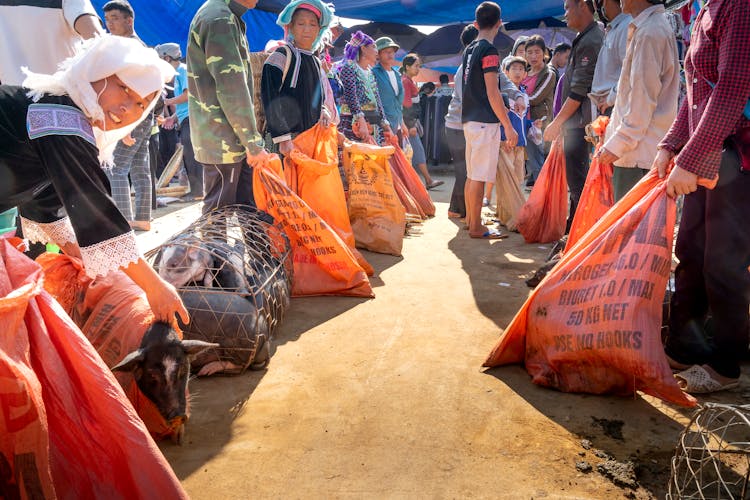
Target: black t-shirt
[[480, 57]]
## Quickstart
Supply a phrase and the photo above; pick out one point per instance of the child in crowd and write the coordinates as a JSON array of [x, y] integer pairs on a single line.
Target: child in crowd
[[510, 165]]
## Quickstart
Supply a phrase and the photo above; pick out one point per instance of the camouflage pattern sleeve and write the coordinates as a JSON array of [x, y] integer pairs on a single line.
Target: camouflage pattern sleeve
[[226, 61]]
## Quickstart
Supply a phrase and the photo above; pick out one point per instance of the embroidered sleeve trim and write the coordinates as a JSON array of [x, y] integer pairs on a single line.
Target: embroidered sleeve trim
[[57, 119], [110, 255], [277, 60], [58, 232]]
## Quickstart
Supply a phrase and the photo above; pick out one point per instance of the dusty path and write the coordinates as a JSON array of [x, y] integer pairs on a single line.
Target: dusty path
[[385, 398]]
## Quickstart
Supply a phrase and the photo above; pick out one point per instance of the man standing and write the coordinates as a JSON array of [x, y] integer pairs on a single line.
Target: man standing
[[220, 102], [171, 53], [388, 79], [611, 55], [559, 59], [575, 113], [131, 156], [482, 113], [647, 95]]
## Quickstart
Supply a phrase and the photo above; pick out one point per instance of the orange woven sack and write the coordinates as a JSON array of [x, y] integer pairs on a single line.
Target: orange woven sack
[[312, 171], [401, 168], [113, 314], [593, 324], [411, 207], [377, 216], [96, 444], [598, 195], [542, 218], [323, 263]]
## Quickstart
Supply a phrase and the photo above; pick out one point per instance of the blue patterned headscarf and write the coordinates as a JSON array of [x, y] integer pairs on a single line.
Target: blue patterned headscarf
[[324, 12], [358, 39]]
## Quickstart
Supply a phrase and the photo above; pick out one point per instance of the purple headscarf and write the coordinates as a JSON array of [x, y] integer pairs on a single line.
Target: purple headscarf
[[359, 39]]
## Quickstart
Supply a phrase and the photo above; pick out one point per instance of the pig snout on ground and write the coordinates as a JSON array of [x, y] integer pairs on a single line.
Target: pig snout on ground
[[161, 368]]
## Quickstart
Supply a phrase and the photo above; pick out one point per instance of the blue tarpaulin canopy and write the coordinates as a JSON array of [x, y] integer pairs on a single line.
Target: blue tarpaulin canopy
[[160, 21]]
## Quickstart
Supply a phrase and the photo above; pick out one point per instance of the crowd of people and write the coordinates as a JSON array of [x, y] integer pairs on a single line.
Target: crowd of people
[[104, 102]]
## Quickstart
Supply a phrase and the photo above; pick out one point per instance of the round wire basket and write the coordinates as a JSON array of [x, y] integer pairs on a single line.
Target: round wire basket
[[712, 459], [232, 268]]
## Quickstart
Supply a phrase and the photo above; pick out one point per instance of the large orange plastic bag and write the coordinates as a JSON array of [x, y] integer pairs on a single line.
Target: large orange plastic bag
[[98, 447], [113, 314], [323, 263], [598, 194], [543, 217], [24, 444], [377, 215], [401, 168], [593, 324], [312, 171]]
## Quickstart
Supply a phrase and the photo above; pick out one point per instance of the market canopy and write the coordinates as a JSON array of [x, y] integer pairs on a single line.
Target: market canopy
[[160, 21], [431, 12]]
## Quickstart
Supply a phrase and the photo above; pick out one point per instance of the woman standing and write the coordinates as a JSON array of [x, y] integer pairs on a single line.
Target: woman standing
[[293, 85], [409, 69], [54, 133], [540, 86], [362, 115]]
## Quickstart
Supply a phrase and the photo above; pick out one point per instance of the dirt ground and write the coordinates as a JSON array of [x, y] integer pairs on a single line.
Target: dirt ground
[[386, 398]]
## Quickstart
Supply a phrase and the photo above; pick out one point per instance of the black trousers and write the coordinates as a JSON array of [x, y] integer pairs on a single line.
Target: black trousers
[[192, 167], [577, 152], [713, 245], [457, 146], [227, 184]]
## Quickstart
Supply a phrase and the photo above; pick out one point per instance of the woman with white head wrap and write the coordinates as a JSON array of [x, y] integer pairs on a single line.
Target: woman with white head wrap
[[57, 131], [294, 89]]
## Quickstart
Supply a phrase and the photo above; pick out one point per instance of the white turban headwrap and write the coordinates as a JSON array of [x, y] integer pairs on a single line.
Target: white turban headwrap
[[139, 67]]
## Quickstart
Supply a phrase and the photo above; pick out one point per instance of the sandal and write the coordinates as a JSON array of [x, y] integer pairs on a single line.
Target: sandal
[[435, 184], [492, 234], [697, 380]]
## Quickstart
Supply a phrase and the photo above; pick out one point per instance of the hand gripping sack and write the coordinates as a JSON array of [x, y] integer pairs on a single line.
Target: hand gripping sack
[[98, 447], [312, 171], [542, 218], [593, 324], [113, 313], [377, 216], [598, 195], [323, 263]]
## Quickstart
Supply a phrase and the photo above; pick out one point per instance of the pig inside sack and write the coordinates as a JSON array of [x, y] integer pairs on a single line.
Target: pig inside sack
[[232, 268]]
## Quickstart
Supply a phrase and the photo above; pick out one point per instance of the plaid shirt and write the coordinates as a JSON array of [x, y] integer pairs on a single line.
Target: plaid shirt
[[719, 54]]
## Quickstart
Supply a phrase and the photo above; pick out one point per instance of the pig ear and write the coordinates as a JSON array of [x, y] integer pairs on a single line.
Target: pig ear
[[129, 362], [193, 347]]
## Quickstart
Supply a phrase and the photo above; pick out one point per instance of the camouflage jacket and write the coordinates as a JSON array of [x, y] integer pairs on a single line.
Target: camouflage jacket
[[220, 85]]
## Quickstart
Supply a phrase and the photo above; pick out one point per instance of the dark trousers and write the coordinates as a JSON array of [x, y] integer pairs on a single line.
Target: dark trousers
[[167, 145], [457, 146], [577, 152], [713, 245], [153, 160], [192, 167], [227, 184]]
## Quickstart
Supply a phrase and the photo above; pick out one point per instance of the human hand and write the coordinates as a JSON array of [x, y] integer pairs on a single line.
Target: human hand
[[165, 302], [519, 105], [413, 132], [286, 147], [362, 129], [511, 137], [128, 140], [552, 131], [160, 120], [169, 123], [539, 123], [606, 157], [680, 181], [256, 159], [661, 162], [325, 118]]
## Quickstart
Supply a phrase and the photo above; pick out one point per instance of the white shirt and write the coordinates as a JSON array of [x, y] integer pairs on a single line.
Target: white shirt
[[392, 79], [611, 55], [38, 37], [647, 94]]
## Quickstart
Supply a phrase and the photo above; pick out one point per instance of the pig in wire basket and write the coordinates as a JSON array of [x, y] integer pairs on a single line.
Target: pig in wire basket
[[712, 459], [233, 269]]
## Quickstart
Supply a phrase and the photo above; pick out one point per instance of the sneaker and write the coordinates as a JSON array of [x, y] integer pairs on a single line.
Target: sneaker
[[485, 202]]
